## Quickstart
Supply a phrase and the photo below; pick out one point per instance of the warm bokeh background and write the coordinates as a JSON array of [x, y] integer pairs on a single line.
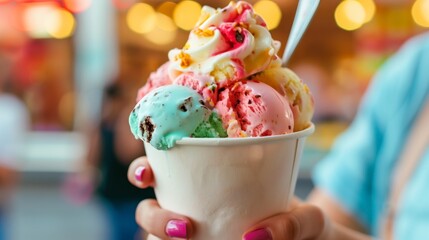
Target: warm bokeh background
[[57, 55]]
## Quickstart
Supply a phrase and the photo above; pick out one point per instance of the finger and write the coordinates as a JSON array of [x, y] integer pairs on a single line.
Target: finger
[[140, 174], [162, 223], [304, 222]]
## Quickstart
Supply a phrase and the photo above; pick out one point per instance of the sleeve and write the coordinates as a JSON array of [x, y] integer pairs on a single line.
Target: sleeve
[[347, 172]]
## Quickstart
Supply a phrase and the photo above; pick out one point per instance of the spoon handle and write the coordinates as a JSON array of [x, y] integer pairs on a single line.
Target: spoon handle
[[304, 13]]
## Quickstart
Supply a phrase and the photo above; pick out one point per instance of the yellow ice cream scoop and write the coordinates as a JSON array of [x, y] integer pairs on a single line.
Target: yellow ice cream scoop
[[288, 84]]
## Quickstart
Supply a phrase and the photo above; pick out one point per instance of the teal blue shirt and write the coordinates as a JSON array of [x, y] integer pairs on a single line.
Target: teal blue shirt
[[358, 170]]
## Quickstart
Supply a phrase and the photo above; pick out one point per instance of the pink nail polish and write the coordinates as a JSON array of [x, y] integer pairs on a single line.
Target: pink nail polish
[[139, 173], [176, 229], [258, 234]]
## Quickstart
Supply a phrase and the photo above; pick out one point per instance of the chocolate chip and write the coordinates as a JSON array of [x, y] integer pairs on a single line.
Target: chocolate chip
[[183, 107], [149, 127], [239, 36], [258, 96], [141, 128], [249, 102]]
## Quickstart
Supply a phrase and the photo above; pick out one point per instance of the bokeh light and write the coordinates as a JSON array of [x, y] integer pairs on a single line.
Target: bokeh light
[[370, 8], [420, 12], [77, 6], [34, 18], [60, 23], [166, 8], [47, 20], [123, 4], [141, 18], [350, 15], [186, 14], [270, 12], [164, 31]]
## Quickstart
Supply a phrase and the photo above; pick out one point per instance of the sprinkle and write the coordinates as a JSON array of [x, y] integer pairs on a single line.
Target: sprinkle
[[185, 59], [203, 33]]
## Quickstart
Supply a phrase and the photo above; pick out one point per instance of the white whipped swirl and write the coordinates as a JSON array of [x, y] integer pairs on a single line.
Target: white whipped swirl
[[227, 44]]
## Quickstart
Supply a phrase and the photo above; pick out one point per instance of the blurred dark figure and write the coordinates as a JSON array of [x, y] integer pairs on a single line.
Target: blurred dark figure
[[13, 126], [112, 148]]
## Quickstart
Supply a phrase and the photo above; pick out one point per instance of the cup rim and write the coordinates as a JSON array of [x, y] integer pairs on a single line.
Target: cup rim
[[245, 140]]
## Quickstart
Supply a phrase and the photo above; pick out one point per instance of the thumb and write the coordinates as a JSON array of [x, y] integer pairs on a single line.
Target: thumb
[[304, 222]]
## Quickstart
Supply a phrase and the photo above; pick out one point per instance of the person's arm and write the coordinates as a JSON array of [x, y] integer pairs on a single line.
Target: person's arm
[[91, 160], [87, 174], [304, 222], [334, 210], [126, 146]]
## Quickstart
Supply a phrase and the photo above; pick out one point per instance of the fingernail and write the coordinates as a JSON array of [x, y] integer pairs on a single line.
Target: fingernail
[[176, 229], [139, 173], [258, 234]]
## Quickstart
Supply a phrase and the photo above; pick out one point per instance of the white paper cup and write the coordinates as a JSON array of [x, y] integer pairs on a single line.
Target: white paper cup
[[225, 185]]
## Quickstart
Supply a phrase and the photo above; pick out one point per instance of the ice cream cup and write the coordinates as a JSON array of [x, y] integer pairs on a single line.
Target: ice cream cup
[[225, 185]]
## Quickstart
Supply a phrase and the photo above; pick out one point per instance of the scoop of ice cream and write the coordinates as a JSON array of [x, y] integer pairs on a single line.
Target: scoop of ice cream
[[226, 44], [167, 114], [211, 128], [156, 79], [288, 84], [254, 109]]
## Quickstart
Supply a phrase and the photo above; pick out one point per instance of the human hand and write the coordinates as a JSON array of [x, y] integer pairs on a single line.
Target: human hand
[[302, 221], [149, 215]]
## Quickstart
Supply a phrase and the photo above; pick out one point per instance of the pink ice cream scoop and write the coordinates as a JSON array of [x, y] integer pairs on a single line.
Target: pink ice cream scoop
[[155, 80], [252, 108]]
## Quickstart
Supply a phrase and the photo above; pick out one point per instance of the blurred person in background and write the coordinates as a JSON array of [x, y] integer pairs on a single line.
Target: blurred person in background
[[112, 147], [14, 123], [374, 182]]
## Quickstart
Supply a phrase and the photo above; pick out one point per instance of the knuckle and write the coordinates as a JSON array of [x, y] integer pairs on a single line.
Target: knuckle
[[293, 227]]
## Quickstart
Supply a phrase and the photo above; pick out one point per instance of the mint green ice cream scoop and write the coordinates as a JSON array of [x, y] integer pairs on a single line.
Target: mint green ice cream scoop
[[167, 114]]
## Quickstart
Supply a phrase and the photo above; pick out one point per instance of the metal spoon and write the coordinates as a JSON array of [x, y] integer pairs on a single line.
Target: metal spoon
[[304, 13]]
